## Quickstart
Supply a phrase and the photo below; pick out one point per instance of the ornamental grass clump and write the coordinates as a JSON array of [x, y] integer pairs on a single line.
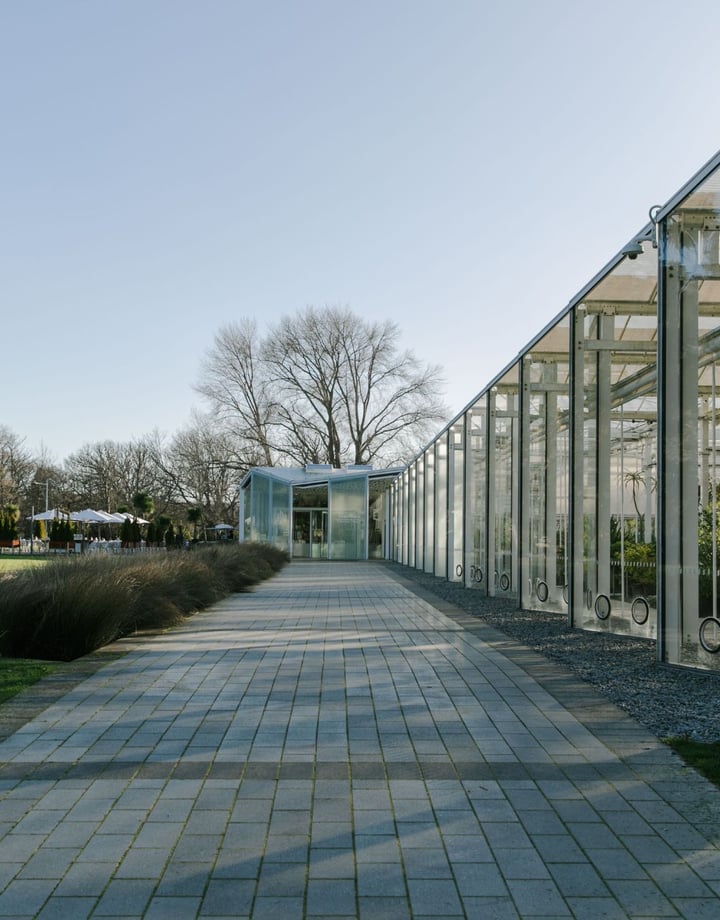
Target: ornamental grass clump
[[63, 610], [70, 606]]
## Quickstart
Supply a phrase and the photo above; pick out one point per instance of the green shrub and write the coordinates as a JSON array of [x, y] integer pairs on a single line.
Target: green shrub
[[72, 606]]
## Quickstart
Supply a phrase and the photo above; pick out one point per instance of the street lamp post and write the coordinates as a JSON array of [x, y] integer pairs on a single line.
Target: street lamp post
[[46, 483]]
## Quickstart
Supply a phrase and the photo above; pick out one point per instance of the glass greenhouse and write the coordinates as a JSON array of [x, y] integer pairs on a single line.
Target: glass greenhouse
[[582, 479]]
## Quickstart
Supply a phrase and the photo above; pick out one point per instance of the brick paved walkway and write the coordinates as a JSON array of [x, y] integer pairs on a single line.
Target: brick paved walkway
[[336, 745]]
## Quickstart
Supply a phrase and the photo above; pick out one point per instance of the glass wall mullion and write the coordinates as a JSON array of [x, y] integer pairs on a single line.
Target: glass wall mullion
[[576, 569]]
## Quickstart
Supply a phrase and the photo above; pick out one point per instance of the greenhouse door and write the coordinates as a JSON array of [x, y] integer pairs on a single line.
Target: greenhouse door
[[310, 533]]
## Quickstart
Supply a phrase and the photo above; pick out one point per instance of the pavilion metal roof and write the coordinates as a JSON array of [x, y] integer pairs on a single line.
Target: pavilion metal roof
[[317, 473]]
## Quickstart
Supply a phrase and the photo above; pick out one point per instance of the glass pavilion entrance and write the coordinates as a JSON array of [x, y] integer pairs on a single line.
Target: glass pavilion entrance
[[318, 512]]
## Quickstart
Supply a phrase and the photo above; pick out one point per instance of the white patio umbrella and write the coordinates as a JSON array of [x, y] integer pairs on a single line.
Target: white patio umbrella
[[90, 516], [125, 515], [54, 514], [109, 518]]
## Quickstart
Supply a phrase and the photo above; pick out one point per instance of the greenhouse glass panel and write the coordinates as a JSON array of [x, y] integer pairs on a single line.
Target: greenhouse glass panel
[[429, 528], [412, 505], [546, 400], [503, 456], [404, 518], [281, 514], [585, 491], [632, 587], [620, 449], [260, 503], [420, 512], [348, 514], [441, 497], [476, 557], [690, 311], [456, 493]]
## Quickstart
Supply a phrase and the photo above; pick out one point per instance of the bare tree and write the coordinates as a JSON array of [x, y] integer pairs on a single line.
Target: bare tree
[[203, 467], [304, 355], [324, 386], [16, 467], [94, 473], [107, 474], [386, 395], [233, 379]]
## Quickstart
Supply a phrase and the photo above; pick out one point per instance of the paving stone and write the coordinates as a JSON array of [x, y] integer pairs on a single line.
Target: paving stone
[[578, 880], [381, 880], [641, 898], [331, 897], [384, 908], [125, 897], [427, 864], [23, 897], [590, 908], [481, 880], [537, 898], [173, 908], [228, 897], [278, 908], [331, 863], [435, 898], [60, 908]]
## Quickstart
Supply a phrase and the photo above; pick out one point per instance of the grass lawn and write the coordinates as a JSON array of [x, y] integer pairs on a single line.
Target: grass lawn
[[10, 563], [704, 757], [18, 673]]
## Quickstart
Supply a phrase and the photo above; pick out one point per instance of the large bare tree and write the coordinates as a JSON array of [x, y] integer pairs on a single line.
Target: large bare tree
[[234, 381], [16, 466], [201, 468], [324, 386], [106, 474]]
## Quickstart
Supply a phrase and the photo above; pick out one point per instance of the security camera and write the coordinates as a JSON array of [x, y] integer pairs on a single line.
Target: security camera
[[633, 250]]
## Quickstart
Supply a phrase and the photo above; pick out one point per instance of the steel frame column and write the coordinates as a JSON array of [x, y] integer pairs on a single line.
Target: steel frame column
[[290, 518], [429, 515], [525, 509], [576, 590], [420, 512], [677, 446], [515, 495], [468, 468], [490, 491], [412, 513], [606, 330], [451, 522], [551, 486], [440, 504]]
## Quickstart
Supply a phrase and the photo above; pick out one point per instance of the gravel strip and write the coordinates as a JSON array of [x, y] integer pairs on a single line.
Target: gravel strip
[[668, 701]]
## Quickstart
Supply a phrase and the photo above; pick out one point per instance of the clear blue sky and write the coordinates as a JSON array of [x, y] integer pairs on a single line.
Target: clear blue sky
[[462, 167]]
